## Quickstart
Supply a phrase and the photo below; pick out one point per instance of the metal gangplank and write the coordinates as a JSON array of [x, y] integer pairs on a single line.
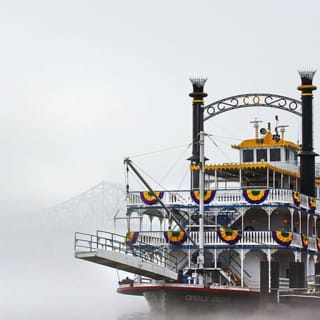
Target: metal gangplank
[[112, 250], [310, 294]]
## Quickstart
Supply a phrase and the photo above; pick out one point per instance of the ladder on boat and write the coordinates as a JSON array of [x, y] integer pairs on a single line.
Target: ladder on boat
[[112, 250]]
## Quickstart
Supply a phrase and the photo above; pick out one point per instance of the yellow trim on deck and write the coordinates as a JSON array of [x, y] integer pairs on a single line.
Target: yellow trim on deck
[[246, 165], [265, 142]]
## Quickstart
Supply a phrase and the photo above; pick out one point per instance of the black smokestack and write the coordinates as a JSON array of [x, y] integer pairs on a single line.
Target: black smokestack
[[307, 155], [197, 125]]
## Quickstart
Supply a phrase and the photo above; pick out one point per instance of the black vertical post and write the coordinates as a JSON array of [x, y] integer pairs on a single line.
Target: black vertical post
[[307, 155], [296, 275], [197, 126], [264, 276]]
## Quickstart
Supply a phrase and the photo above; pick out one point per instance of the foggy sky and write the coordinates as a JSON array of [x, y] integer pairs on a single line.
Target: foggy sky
[[87, 83]]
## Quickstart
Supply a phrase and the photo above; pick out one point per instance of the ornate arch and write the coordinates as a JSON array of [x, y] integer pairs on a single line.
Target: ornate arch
[[253, 100]]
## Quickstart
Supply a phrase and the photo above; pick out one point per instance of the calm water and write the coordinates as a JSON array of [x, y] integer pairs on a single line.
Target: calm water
[[267, 315], [135, 316]]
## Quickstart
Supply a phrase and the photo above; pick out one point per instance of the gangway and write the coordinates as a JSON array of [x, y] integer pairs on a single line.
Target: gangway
[[112, 250]]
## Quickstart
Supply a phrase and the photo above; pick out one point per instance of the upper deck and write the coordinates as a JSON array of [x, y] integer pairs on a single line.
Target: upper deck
[[266, 161], [244, 197]]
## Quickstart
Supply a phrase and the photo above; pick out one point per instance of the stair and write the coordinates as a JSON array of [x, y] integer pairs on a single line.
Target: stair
[[182, 217]]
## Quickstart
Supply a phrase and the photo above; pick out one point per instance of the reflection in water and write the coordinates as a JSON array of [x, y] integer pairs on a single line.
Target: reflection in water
[[134, 316], [287, 312]]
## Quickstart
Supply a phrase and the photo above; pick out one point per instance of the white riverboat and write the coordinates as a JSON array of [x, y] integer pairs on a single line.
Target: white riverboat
[[245, 233]]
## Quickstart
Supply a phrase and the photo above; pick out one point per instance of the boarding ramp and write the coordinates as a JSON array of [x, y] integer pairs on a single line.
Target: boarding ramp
[[112, 250], [310, 294]]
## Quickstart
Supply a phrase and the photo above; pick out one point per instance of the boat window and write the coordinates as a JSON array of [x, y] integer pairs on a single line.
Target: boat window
[[287, 155], [247, 155], [274, 154], [261, 155]]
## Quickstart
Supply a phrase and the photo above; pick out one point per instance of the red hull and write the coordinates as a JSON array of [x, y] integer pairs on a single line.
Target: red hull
[[177, 298]]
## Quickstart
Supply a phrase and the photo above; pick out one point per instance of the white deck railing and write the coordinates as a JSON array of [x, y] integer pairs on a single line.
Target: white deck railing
[[225, 197], [211, 238]]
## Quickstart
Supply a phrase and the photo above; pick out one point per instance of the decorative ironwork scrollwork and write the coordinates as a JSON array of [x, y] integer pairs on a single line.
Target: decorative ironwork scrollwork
[[275, 100], [253, 100], [293, 105]]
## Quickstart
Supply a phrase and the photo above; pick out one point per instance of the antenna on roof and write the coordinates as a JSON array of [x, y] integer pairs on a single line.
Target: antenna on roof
[[256, 126], [282, 130], [276, 136]]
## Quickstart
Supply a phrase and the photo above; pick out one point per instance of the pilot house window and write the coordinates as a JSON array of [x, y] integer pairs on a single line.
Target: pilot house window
[[261, 155], [287, 155], [247, 155], [274, 154]]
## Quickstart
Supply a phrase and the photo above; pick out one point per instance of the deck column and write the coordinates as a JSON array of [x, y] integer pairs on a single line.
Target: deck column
[[215, 258], [274, 179], [215, 179], [151, 219], [242, 254], [269, 270], [242, 219], [297, 256], [300, 226], [269, 218], [241, 261]]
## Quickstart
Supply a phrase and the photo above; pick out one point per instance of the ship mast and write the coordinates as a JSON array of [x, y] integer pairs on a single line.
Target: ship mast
[[201, 207], [197, 158]]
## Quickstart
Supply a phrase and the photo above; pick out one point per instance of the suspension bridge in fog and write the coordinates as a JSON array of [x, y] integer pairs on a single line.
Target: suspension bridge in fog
[[94, 207]]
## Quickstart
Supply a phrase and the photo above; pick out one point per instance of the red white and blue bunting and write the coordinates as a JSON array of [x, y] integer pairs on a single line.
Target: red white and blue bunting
[[230, 236], [208, 196], [149, 197], [131, 237], [283, 238], [296, 198], [305, 241], [255, 196], [175, 237], [312, 204]]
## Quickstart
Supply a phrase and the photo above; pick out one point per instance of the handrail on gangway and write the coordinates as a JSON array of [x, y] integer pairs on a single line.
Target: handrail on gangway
[[108, 241]]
